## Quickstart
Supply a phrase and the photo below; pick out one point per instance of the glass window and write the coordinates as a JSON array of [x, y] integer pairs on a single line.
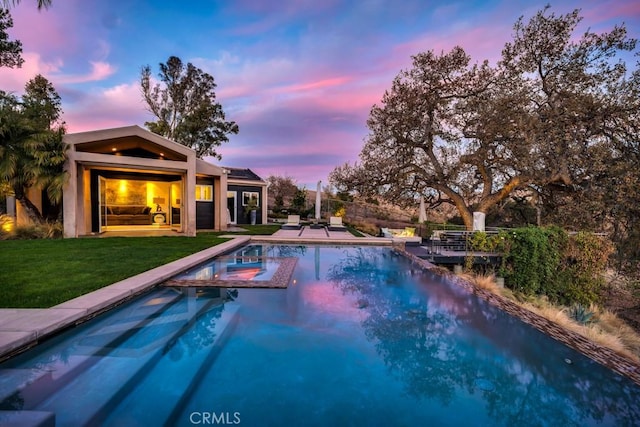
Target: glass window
[[204, 193], [250, 197]]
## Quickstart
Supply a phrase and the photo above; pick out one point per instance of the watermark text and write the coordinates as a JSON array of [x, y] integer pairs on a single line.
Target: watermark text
[[214, 418]]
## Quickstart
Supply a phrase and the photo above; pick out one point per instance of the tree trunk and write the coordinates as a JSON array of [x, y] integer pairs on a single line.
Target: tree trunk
[[32, 211], [458, 201]]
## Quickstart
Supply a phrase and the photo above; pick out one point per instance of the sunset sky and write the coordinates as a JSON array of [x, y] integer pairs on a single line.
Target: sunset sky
[[299, 77]]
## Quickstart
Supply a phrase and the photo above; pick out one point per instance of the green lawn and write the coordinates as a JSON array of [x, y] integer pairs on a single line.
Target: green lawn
[[259, 229], [43, 273]]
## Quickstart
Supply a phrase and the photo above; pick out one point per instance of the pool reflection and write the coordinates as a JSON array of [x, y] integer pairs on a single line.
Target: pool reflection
[[443, 342]]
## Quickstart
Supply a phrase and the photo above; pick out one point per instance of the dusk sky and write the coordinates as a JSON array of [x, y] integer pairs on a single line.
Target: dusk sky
[[299, 77]]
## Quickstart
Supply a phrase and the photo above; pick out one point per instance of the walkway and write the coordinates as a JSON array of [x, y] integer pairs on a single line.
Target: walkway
[[314, 235]]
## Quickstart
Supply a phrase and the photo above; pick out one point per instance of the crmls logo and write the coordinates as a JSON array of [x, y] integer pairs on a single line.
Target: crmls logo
[[220, 418]]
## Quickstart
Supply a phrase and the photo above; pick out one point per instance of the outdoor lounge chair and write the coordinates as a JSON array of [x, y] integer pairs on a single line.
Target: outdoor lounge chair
[[293, 223], [335, 224]]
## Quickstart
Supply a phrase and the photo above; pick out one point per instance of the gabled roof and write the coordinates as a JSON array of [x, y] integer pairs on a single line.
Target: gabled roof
[[128, 139], [206, 168]]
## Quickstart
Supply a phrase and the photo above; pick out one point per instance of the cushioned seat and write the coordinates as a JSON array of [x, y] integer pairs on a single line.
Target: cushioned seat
[[335, 224], [128, 215], [293, 223]]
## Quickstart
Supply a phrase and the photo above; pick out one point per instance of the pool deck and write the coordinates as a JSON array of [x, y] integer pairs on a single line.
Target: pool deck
[[307, 234]]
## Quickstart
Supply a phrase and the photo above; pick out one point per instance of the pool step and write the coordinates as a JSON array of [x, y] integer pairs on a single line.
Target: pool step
[[172, 382], [108, 381], [27, 419], [25, 389]]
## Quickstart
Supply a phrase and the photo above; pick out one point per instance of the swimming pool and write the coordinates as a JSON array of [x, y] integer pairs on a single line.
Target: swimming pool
[[359, 337]]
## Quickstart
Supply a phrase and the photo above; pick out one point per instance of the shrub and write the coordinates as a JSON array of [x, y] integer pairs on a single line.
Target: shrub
[[46, 230], [547, 261], [584, 264], [483, 242], [340, 211], [531, 259], [6, 227], [365, 227]]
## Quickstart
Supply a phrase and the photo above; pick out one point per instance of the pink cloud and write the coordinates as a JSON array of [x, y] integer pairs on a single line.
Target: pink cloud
[[99, 71], [14, 79], [613, 10], [238, 77], [318, 84], [121, 105], [52, 26], [480, 42]]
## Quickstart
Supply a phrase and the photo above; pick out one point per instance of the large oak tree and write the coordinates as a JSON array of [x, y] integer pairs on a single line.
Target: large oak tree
[[473, 135], [184, 104]]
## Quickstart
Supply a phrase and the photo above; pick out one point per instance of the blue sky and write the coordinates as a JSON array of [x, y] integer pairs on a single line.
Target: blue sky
[[298, 76]]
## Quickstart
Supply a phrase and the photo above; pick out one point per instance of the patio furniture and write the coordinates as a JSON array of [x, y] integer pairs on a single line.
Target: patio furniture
[[129, 215], [335, 224], [406, 235], [293, 223]]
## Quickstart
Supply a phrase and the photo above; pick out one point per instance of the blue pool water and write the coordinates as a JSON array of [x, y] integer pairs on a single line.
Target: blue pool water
[[360, 337]]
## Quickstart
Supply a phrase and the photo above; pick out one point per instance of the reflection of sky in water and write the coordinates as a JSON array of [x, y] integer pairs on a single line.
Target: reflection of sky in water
[[233, 269], [360, 337]]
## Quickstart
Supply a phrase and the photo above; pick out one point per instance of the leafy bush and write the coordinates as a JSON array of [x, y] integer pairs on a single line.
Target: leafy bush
[[6, 227], [46, 230], [584, 263], [531, 259], [547, 261], [483, 242]]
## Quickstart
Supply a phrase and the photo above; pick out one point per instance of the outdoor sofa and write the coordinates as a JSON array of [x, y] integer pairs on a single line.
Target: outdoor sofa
[[406, 235]]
